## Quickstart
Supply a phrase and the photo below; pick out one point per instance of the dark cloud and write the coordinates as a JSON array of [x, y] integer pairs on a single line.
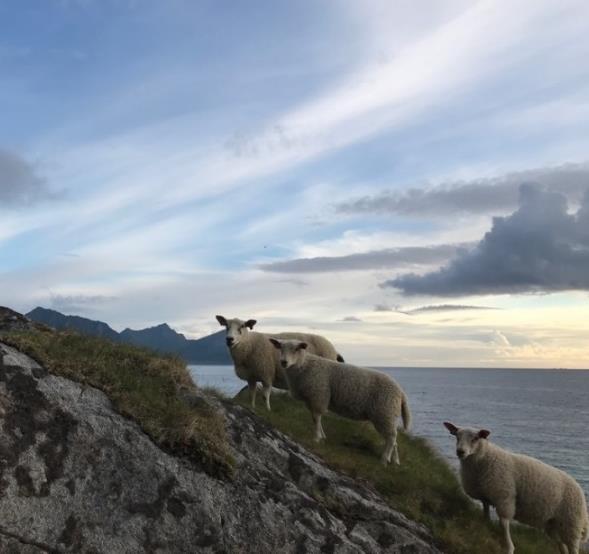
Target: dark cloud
[[445, 308], [20, 185], [351, 319], [481, 196], [539, 248], [377, 259]]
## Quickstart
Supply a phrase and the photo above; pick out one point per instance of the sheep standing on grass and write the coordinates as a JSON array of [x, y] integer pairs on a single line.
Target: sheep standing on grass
[[345, 389], [521, 488], [256, 360]]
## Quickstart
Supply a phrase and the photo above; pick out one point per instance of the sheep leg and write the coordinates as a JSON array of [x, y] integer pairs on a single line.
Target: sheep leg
[[386, 454], [562, 547], [573, 546], [266, 389], [318, 428], [251, 385], [396, 449], [486, 511], [323, 435], [507, 535], [391, 452]]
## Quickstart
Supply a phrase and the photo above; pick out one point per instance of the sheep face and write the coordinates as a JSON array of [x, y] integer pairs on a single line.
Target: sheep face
[[237, 329], [468, 441], [292, 352]]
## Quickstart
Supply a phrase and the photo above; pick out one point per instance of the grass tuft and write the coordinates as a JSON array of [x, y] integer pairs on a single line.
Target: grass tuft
[[142, 385], [424, 487]]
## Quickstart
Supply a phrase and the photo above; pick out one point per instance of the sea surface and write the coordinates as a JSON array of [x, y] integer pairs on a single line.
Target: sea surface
[[542, 413]]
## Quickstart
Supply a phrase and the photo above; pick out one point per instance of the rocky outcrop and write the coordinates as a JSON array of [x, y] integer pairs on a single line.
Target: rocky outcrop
[[75, 476], [13, 321]]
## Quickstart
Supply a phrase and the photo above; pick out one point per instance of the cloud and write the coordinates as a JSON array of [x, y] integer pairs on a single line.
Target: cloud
[[350, 319], [480, 196], [539, 248], [79, 301], [377, 259], [384, 308], [20, 185], [444, 308], [294, 281]]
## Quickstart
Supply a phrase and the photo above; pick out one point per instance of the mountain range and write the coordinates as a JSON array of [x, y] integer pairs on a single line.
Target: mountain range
[[208, 350]]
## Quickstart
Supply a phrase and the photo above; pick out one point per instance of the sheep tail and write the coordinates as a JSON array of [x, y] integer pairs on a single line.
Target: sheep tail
[[405, 413], [340, 359]]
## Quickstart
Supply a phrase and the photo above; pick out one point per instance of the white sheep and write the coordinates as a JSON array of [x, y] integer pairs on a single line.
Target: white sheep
[[347, 390], [521, 488], [256, 360]]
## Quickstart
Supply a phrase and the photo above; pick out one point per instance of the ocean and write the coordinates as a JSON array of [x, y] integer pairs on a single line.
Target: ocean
[[541, 413]]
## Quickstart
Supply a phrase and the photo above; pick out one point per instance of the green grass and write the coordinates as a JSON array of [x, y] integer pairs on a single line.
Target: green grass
[[424, 487], [142, 385]]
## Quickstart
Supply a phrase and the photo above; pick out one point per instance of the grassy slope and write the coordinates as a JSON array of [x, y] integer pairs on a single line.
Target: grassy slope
[[424, 488], [142, 385]]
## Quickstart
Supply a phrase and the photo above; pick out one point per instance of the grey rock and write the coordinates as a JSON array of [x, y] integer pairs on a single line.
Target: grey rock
[[13, 321], [75, 476]]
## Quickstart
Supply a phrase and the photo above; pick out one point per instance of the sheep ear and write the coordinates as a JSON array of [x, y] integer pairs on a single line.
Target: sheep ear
[[221, 320], [483, 434], [451, 427], [276, 343], [302, 346], [250, 323]]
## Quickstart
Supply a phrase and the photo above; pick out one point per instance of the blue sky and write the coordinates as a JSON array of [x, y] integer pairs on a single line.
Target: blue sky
[[302, 163]]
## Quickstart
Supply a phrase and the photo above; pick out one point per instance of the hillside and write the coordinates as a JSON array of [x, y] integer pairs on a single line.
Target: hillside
[[190, 471], [108, 449], [208, 350]]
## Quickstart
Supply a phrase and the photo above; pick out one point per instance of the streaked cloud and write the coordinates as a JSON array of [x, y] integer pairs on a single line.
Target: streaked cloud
[[479, 196], [20, 182], [79, 302], [402, 257], [350, 319], [443, 308]]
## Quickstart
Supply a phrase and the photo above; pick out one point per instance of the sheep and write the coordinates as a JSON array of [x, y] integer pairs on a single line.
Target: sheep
[[521, 488], [347, 390], [256, 360]]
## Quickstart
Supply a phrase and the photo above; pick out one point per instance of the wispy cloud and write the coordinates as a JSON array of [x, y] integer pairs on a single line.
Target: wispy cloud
[[350, 319], [79, 302], [403, 257], [20, 182], [444, 308], [385, 308], [481, 196]]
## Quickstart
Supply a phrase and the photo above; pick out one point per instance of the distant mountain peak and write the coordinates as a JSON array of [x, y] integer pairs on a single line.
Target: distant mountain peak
[[210, 349]]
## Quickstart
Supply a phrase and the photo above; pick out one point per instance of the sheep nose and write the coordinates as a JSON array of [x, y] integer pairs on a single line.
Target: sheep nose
[[460, 453], [229, 341], [283, 364]]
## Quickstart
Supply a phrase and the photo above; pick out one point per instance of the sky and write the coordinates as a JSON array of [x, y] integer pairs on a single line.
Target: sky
[[412, 182]]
